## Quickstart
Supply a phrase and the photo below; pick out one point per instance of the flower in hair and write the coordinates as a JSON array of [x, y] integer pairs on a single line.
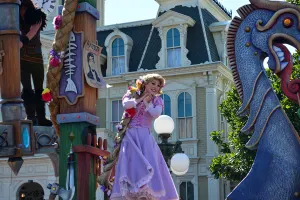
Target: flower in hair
[[57, 21]]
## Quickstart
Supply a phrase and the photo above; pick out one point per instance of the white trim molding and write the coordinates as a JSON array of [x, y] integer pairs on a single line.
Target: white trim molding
[[126, 25], [219, 31], [128, 43], [165, 22], [165, 5], [214, 9]]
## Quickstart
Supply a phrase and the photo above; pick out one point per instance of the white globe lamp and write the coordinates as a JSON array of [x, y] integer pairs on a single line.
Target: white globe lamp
[[164, 125], [180, 163]]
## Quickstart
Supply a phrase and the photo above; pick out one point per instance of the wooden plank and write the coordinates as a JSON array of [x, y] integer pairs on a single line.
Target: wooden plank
[[83, 22], [11, 76], [83, 176], [91, 150]]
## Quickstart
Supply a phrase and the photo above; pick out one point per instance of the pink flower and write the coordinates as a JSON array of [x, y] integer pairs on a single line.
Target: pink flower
[[54, 62], [57, 21]]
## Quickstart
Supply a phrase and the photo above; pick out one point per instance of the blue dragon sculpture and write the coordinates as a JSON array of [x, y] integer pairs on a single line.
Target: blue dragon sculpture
[[260, 31]]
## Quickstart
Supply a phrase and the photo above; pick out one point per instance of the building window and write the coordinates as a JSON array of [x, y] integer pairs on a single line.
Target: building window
[[185, 115], [118, 47], [167, 105], [187, 191], [117, 112], [173, 48], [118, 57]]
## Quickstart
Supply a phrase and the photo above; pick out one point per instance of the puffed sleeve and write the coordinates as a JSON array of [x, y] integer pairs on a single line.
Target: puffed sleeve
[[155, 107], [128, 102]]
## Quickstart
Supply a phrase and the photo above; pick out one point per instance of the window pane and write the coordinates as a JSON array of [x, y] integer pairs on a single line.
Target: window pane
[[182, 191], [188, 105], [190, 191], [122, 64], [114, 128], [176, 37], [115, 47], [167, 105], [115, 108], [189, 127], [182, 128], [121, 110], [177, 60], [115, 67], [121, 47], [174, 57], [171, 57], [170, 38], [181, 105]]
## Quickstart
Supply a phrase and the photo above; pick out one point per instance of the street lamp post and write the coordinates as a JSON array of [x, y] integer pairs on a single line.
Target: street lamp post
[[179, 165]]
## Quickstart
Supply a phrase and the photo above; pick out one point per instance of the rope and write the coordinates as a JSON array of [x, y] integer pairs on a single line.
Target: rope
[[61, 39]]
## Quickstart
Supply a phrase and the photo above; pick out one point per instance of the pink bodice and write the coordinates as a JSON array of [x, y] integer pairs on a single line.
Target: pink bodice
[[144, 113]]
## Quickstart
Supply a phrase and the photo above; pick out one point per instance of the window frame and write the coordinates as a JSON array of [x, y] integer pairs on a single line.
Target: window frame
[[174, 47], [128, 44], [163, 111], [117, 56], [185, 117], [187, 192], [112, 122]]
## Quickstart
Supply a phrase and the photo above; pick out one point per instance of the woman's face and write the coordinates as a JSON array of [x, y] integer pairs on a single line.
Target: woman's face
[[153, 87]]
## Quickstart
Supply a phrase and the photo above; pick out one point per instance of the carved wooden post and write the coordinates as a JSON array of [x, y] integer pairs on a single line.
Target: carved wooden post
[[16, 135], [77, 100], [17, 138]]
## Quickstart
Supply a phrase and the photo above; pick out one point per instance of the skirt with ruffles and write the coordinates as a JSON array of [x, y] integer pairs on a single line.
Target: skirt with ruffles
[[141, 171]]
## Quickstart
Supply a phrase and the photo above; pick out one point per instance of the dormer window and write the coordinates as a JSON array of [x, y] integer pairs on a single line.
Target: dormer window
[[118, 57], [118, 47], [173, 48], [172, 28]]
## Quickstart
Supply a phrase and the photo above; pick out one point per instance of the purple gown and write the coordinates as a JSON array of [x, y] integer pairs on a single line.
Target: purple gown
[[141, 171]]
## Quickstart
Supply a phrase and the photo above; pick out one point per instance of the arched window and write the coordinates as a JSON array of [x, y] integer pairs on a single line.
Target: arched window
[[173, 48], [167, 105], [187, 191], [118, 56], [31, 190], [185, 115]]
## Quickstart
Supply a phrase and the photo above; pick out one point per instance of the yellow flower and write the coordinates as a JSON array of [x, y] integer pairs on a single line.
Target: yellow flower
[[46, 90]]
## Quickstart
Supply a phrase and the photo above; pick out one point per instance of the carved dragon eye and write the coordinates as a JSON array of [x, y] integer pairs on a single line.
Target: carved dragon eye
[[288, 22]]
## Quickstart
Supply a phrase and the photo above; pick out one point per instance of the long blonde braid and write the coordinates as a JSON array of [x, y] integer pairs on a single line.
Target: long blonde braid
[[59, 45]]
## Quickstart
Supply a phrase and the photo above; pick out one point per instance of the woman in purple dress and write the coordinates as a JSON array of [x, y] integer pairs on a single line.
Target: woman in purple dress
[[141, 171]]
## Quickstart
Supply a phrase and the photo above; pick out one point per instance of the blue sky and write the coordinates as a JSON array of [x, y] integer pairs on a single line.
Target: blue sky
[[135, 10]]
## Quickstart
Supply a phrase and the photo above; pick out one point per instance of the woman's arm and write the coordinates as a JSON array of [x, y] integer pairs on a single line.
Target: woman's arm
[[128, 102], [155, 107]]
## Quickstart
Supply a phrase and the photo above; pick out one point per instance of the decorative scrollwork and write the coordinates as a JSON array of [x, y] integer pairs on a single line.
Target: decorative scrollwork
[[3, 138], [44, 140]]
